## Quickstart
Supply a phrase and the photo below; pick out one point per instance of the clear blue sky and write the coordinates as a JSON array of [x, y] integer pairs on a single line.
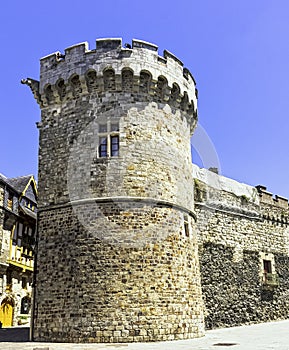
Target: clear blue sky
[[238, 52]]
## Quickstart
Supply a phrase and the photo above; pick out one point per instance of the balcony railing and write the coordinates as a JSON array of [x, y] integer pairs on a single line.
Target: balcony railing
[[21, 257], [270, 279]]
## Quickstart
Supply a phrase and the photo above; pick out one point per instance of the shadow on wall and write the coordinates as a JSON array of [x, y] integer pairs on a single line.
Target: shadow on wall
[[15, 334]]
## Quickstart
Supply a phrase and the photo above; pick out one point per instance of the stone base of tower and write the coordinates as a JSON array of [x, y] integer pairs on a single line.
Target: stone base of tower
[[133, 290]]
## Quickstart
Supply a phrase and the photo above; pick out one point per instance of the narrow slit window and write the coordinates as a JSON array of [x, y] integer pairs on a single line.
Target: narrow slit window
[[21, 230], [15, 233], [186, 226]]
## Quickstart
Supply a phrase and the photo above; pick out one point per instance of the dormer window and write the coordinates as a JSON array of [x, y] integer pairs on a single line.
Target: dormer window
[[29, 205]]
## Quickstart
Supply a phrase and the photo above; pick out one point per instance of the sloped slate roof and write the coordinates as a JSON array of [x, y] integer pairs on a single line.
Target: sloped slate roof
[[3, 178], [18, 183]]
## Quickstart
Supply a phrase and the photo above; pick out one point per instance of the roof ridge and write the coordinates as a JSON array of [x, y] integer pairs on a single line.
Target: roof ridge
[[18, 177]]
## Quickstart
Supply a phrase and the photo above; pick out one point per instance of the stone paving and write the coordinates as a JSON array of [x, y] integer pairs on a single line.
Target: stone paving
[[264, 336]]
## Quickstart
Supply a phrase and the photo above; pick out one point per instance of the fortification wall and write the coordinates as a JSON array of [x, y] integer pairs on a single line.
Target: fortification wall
[[237, 231], [103, 292], [81, 89], [109, 53], [117, 248]]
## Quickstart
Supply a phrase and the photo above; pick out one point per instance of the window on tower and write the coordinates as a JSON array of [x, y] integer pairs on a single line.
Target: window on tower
[[114, 146], [108, 136], [103, 146]]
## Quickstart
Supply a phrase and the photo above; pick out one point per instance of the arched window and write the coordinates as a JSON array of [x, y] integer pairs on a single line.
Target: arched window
[[109, 79], [25, 305], [144, 82], [61, 88], [175, 95], [91, 81], [76, 85], [185, 102], [161, 89], [127, 79], [49, 93]]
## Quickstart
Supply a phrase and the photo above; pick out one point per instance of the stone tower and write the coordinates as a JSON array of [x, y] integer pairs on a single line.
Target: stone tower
[[117, 250]]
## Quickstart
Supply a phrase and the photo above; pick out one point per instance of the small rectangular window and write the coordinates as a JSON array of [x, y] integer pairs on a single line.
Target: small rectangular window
[[186, 226], [108, 139], [267, 266]]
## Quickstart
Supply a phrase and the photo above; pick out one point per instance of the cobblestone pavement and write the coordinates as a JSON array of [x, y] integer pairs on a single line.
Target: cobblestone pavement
[[265, 336]]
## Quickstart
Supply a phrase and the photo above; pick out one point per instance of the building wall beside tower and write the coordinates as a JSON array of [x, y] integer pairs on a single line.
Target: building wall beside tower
[[244, 251], [17, 237]]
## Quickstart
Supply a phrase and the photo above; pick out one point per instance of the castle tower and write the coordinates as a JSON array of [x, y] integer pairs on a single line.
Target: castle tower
[[117, 250]]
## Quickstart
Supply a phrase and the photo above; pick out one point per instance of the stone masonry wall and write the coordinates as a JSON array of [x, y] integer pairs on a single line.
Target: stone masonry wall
[[235, 234], [153, 159], [117, 248], [154, 152], [233, 292], [110, 292]]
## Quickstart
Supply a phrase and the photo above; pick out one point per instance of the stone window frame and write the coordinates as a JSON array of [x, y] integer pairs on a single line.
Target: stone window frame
[[108, 139], [269, 259]]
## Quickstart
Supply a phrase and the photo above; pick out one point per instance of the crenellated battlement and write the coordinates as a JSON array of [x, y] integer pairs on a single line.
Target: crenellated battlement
[[143, 53], [135, 69], [115, 185], [268, 198]]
